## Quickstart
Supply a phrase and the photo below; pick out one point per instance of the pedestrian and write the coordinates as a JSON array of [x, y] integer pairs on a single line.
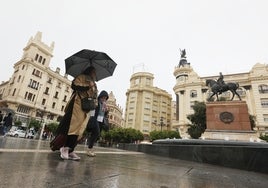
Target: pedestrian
[[75, 119], [95, 123], [8, 120], [1, 124], [1, 117], [221, 82]]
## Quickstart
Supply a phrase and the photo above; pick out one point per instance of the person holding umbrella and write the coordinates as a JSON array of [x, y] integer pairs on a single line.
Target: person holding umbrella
[[75, 118], [87, 67]]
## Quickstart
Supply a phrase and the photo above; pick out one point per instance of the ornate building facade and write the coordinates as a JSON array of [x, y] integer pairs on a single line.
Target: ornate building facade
[[253, 89], [36, 91], [115, 112], [147, 107]]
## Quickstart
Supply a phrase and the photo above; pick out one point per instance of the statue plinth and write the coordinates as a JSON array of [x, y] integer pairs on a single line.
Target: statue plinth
[[228, 120]]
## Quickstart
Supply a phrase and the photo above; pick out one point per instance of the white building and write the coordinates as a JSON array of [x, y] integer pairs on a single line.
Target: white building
[[253, 89]]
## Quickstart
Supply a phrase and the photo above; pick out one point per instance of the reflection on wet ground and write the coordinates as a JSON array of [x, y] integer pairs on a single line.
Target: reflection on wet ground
[[30, 163]]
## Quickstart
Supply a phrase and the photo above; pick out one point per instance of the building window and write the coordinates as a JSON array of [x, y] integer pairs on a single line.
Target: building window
[[40, 59], [137, 81], [19, 78], [146, 118], [148, 81], [65, 98], [49, 80], [53, 105], [36, 57], [62, 108], [43, 101], [37, 73], [14, 91], [46, 91], [33, 84], [241, 92], [265, 117], [29, 96], [56, 94], [264, 103], [59, 85], [193, 93], [263, 88], [147, 106], [67, 89], [44, 60]]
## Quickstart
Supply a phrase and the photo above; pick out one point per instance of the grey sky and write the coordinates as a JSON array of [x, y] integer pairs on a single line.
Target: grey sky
[[227, 36]]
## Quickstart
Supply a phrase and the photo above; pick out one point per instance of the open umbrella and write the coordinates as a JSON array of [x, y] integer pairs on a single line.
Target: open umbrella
[[80, 61]]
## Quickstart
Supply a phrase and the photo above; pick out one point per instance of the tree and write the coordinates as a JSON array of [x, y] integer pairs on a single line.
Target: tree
[[35, 124], [52, 127], [198, 120]]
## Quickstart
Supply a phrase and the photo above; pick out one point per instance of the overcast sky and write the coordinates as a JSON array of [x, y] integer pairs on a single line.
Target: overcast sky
[[228, 36]]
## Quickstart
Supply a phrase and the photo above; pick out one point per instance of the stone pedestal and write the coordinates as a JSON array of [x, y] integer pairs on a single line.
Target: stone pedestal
[[228, 120]]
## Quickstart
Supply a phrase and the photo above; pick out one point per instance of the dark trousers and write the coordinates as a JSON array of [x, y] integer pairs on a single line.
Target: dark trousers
[[71, 142], [95, 133]]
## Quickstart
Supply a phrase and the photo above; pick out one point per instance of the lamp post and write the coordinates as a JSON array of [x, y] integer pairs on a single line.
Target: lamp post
[[162, 122]]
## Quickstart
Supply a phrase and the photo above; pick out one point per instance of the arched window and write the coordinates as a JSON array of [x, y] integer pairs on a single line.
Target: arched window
[[36, 57], [40, 59]]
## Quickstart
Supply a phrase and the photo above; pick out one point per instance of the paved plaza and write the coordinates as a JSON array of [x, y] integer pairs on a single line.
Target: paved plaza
[[30, 163]]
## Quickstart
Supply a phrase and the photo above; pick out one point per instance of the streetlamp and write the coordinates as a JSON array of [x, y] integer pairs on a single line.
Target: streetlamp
[[162, 122]]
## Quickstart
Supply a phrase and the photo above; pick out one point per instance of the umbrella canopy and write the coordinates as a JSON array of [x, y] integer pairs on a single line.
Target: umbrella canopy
[[80, 61]]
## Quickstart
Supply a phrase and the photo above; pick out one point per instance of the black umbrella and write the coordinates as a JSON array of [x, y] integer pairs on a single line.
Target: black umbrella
[[80, 61]]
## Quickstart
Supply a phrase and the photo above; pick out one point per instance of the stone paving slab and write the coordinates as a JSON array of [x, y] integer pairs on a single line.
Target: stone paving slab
[[29, 163]]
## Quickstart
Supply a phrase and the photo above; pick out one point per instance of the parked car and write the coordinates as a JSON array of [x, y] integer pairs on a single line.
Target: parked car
[[17, 133]]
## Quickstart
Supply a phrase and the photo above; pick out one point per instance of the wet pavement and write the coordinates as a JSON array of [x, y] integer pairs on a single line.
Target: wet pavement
[[30, 163]]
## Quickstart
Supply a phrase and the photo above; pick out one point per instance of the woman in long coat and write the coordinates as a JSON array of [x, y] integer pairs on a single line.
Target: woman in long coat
[[75, 119]]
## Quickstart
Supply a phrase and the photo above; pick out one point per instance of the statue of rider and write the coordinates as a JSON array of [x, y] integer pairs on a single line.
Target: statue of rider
[[221, 83]]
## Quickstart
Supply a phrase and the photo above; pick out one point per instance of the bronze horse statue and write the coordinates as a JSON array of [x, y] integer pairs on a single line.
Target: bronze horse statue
[[217, 89]]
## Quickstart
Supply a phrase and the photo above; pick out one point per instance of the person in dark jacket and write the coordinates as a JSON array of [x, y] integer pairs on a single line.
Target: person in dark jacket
[[94, 124], [8, 120]]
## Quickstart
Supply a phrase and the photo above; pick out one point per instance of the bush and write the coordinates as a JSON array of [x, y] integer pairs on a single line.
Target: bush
[[154, 135], [195, 131], [121, 135], [198, 120], [18, 123], [264, 137]]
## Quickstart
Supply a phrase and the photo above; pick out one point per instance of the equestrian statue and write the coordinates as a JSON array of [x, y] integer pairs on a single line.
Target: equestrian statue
[[219, 86]]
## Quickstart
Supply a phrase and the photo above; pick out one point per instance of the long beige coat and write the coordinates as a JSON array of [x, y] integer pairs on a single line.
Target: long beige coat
[[80, 118]]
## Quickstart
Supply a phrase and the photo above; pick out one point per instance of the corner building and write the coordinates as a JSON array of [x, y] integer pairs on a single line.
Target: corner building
[[148, 108], [36, 91]]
